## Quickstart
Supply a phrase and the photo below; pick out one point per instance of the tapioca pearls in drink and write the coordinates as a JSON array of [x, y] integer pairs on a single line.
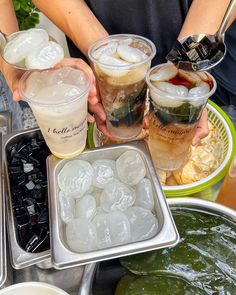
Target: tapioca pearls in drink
[[120, 64], [177, 99]]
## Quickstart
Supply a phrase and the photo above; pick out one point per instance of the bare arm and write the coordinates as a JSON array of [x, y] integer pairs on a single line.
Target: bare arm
[[204, 16], [75, 19]]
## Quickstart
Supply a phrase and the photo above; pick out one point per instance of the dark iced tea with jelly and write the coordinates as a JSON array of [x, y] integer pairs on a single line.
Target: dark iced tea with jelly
[[121, 63], [177, 99]]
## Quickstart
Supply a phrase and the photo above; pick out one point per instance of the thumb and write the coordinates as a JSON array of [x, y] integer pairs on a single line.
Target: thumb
[[16, 95]]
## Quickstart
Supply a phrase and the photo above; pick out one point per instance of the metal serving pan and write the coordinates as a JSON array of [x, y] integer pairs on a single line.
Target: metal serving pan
[[113, 271], [3, 267], [19, 257], [167, 234]]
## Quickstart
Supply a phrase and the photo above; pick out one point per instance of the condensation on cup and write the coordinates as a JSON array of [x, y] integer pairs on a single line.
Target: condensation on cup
[[177, 99], [120, 64], [58, 99]]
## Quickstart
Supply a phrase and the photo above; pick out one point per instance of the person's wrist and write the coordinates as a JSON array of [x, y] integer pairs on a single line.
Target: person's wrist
[[8, 72]]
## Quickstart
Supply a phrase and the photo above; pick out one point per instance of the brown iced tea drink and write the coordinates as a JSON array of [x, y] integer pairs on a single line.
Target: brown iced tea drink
[[177, 99], [120, 65]]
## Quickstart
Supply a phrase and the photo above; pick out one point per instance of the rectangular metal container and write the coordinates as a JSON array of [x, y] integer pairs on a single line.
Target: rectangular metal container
[[3, 263], [167, 234], [19, 257]]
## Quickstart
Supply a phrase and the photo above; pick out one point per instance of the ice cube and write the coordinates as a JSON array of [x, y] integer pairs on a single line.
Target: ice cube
[[126, 41], [96, 193], [165, 73], [81, 235], [45, 56], [75, 178], [143, 224], [177, 90], [35, 82], [130, 54], [130, 167], [61, 93], [102, 225], [67, 207], [115, 67], [85, 207], [20, 46], [202, 89], [120, 228], [108, 49], [99, 210], [69, 76], [104, 172], [117, 196], [144, 194]]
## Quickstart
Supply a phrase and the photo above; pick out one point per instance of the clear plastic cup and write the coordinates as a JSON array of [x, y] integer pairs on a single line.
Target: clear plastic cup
[[120, 64], [174, 113], [58, 99]]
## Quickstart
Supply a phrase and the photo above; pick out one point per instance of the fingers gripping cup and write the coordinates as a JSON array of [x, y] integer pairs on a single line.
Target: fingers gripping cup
[[58, 99], [120, 64], [177, 99]]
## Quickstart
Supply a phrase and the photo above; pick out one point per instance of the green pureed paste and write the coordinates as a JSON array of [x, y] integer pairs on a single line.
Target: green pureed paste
[[203, 262]]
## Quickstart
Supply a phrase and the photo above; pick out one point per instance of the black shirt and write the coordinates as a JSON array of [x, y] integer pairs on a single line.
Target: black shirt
[[157, 20], [225, 72]]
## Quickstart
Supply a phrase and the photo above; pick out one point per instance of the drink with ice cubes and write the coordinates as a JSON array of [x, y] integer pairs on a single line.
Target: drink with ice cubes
[[177, 99], [58, 99], [120, 64]]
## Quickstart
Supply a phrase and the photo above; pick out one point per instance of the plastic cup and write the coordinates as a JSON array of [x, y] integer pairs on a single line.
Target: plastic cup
[[173, 119], [121, 81], [29, 288], [58, 99]]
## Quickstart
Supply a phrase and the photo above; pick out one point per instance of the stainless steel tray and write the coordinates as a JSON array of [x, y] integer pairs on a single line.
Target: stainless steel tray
[[112, 271], [19, 257], [3, 270], [167, 234]]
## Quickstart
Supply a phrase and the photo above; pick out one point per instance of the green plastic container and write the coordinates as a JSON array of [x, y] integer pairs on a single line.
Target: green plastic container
[[207, 187]]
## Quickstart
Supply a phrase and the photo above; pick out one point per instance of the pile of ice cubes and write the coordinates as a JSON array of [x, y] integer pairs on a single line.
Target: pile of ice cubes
[[33, 49], [106, 203]]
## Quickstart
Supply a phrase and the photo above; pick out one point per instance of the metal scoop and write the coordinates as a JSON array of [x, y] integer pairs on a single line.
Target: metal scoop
[[201, 52], [3, 41]]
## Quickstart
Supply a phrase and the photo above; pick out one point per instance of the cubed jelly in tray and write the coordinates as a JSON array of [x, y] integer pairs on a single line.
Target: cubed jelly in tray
[[27, 197]]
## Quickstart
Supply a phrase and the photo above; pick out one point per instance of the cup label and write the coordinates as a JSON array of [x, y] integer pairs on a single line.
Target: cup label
[[66, 132], [171, 132]]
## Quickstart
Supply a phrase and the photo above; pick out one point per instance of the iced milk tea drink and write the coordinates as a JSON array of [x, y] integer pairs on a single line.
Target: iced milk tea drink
[[177, 99], [58, 99], [120, 64]]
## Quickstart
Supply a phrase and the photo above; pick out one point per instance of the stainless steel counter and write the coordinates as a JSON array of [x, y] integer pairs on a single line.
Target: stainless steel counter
[[68, 280]]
